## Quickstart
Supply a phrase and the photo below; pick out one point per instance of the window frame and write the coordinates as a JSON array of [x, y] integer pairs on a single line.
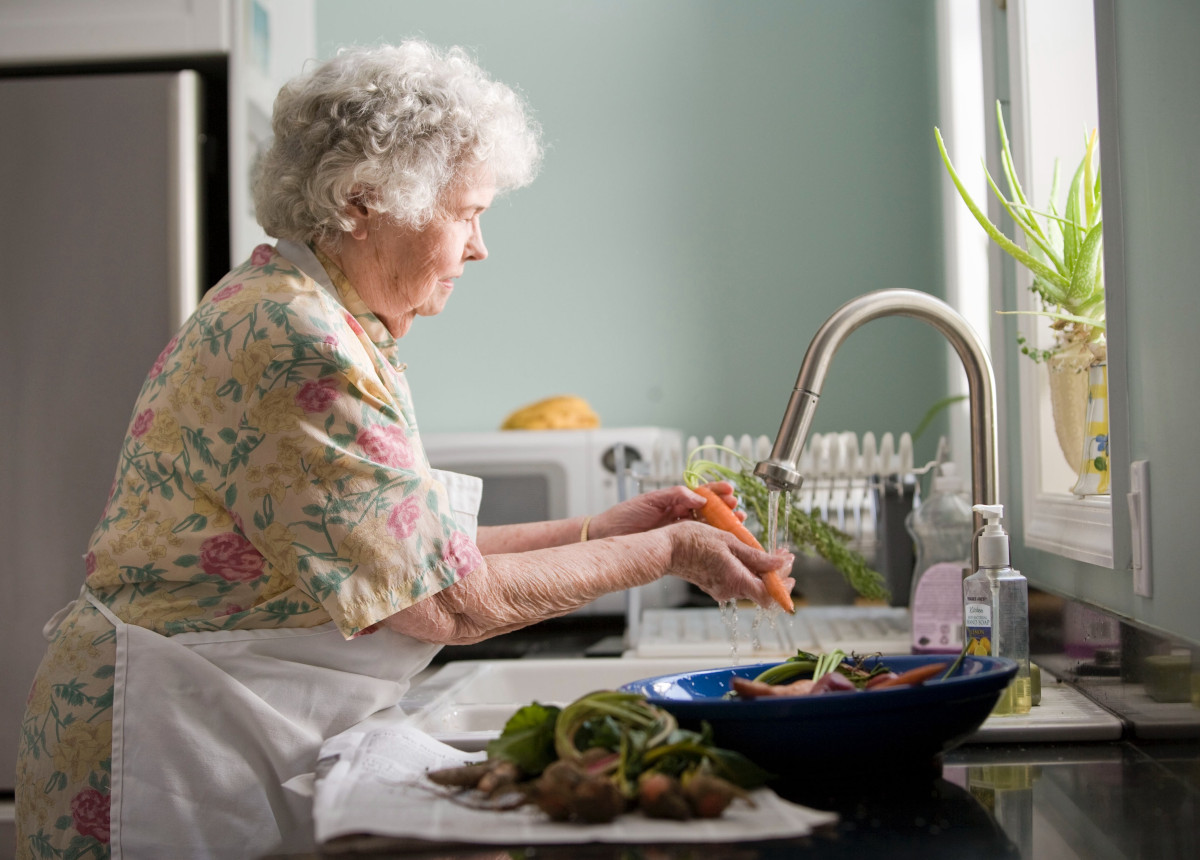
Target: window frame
[[1080, 528]]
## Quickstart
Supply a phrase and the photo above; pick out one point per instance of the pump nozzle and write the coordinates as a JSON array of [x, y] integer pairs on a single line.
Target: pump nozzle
[[993, 540]]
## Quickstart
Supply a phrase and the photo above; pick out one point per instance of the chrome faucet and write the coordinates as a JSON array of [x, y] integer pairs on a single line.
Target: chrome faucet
[[780, 472]]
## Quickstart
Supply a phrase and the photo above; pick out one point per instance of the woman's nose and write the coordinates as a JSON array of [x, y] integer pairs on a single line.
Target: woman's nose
[[476, 250]]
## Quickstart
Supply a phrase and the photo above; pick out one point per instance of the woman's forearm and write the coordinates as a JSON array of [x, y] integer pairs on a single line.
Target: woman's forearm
[[514, 590], [523, 537]]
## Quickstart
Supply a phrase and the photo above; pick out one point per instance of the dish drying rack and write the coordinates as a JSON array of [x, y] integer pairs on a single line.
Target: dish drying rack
[[865, 486]]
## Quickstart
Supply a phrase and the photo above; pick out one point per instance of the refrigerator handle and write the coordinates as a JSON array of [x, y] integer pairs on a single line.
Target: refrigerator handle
[[183, 202]]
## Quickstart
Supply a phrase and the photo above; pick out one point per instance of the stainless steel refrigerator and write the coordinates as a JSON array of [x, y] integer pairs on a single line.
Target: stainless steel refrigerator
[[103, 185]]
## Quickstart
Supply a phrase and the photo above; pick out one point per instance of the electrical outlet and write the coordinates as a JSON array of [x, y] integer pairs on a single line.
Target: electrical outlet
[[1139, 522]]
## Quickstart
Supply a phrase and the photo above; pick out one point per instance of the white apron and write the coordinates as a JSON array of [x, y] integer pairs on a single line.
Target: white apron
[[208, 726]]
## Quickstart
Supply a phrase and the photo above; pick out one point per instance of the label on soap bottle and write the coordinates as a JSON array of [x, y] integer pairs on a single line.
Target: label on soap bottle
[[937, 610], [977, 618]]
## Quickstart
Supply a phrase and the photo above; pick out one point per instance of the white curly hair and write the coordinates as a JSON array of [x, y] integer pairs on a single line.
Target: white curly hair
[[394, 127]]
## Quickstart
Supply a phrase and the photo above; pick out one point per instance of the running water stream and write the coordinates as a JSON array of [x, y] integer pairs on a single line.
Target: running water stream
[[772, 541]]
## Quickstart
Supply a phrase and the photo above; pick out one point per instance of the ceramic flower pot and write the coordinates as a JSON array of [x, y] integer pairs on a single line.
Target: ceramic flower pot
[[1093, 471], [1068, 374]]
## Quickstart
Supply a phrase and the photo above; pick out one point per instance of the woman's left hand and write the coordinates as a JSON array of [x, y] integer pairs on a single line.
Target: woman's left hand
[[657, 508]]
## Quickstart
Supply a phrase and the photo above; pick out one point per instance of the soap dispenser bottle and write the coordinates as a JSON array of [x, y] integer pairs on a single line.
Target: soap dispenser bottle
[[942, 528], [996, 610]]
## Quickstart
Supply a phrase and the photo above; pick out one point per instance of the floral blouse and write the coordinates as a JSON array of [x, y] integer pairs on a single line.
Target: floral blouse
[[273, 471], [272, 476]]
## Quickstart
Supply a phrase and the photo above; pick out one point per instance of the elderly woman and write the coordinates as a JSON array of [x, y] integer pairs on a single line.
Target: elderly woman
[[273, 505]]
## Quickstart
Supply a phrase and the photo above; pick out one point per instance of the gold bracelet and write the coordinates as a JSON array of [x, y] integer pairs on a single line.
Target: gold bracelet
[[583, 531]]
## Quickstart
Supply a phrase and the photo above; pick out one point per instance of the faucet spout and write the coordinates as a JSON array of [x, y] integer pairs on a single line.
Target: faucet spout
[[781, 471]]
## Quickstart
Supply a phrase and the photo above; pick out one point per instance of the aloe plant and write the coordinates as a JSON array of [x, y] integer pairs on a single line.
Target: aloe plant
[[1063, 246]]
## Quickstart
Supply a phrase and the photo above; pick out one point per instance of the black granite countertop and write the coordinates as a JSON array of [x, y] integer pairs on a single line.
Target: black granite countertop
[[1035, 802], [1137, 797]]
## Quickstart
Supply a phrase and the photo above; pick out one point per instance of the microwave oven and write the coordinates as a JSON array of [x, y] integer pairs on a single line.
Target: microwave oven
[[537, 475]]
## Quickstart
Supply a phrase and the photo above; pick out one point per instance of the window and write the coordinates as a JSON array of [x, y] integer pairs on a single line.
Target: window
[[1051, 94], [1053, 105]]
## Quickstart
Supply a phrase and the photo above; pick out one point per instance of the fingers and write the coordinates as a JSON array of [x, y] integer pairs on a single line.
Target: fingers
[[760, 561], [725, 568]]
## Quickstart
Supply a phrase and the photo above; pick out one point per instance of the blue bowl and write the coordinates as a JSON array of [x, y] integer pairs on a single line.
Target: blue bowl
[[861, 729]]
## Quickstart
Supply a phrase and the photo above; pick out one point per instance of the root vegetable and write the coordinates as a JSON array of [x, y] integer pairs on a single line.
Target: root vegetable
[[466, 776], [875, 681], [912, 677], [597, 800], [661, 796], [503, 775], [749, 689], [708, 796], [832, 682]]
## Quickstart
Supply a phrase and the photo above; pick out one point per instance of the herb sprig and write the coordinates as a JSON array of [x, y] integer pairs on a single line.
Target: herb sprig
[[807, 533]]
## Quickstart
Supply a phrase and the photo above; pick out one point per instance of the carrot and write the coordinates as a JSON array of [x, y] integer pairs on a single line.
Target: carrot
[[919, 675], [716, 513], [748, 688]]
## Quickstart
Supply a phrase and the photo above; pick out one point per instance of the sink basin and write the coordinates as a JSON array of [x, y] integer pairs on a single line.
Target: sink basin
[[465, 704]]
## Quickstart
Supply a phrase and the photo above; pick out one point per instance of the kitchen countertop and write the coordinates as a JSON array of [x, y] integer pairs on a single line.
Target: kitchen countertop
[[1035, 802], [1136, 796]]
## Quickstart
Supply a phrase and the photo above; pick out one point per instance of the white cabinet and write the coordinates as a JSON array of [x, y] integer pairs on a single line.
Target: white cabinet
[[56, 31], [266, 43]]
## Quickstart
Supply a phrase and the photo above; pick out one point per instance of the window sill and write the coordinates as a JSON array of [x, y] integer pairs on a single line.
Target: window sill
[[1070, 526]]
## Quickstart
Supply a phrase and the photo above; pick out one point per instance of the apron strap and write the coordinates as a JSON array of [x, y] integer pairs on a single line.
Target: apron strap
[[104, 610]]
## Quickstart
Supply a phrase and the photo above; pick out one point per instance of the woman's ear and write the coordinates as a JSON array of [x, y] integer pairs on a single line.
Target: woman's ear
[[358, 214]]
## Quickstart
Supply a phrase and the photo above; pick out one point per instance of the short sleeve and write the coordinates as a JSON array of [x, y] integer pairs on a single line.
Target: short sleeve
[[328, 479]]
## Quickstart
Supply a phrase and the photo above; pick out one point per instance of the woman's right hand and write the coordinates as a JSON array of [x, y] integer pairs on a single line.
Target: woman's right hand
[[722, 566]]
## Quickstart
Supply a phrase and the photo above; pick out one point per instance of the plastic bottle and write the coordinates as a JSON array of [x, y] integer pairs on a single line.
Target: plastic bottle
[[996, 611], [942, 527]]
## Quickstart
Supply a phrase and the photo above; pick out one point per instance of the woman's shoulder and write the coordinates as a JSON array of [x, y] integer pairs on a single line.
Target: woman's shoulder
[[272, 293]]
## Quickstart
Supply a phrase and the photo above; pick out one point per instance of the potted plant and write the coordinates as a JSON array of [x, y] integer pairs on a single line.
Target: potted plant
[[1064, 253]]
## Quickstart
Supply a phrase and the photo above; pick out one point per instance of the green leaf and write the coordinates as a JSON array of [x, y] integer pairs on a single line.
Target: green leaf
[[738, 769], [528, 738], [1006, 159], [1011, 248], [1034, 234], [933, 412], [1087, 271], [1091, 190], [602, 732], [791, 669], [1071, 238]]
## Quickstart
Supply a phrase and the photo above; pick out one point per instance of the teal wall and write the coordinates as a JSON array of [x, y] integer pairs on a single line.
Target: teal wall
[[720, 177], [1155, 124]]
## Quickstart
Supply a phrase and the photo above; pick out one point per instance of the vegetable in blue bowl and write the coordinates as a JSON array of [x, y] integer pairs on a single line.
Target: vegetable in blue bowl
[[854, 729]]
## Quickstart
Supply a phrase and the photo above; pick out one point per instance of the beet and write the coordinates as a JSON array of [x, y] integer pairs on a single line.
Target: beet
[[661, 796]]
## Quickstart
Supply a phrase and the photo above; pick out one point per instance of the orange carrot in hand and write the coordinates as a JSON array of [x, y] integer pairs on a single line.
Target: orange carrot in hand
[[716, 513]]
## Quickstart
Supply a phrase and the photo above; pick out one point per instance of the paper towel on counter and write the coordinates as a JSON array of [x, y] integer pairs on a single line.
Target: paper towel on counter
[[371, 780]]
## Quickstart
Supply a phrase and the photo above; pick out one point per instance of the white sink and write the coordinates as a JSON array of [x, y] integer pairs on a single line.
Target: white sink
[[466, 703]]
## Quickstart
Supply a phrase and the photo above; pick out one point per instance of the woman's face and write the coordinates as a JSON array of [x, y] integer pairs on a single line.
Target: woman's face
[[402, 273]]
